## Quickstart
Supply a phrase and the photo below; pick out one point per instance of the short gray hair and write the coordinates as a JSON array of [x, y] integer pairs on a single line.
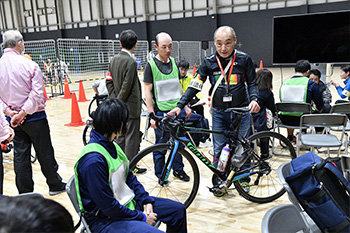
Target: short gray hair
[[225, 28], [11, 37]]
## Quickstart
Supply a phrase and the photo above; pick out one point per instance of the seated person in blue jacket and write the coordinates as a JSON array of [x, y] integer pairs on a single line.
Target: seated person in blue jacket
[[344, 92], [108, 192]]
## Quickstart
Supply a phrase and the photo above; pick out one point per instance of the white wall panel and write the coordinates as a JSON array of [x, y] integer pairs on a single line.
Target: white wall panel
[[177, 5], [162, 6], [112, 11], [106, 9], [188, 6], [7, 16], [200, 4], [75, 8], [294, 3]]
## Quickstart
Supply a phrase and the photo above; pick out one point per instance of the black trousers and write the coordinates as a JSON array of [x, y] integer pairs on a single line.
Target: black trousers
[[36, 133]]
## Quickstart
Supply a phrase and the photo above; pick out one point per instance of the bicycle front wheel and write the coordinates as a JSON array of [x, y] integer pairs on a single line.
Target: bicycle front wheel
[[265, 185], [175, 189]]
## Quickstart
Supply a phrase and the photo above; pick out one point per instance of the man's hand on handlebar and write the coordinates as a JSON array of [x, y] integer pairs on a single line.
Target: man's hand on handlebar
[[188, 111], [176, 110], [254, 107]]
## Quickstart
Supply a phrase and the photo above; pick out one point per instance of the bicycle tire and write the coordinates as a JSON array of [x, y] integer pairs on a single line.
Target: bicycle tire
[[176, 189], [87, 133], [92, 106], [269, 187]]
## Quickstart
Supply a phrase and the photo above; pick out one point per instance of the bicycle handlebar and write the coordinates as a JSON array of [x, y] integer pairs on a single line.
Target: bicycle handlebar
[[240, 110], [173, 125]]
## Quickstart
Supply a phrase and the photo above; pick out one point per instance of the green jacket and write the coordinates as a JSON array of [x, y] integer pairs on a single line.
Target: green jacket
[[167, 89]]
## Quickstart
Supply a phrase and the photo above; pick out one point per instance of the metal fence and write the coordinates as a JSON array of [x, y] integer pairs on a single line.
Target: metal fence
[[191, 51], [90, 58]]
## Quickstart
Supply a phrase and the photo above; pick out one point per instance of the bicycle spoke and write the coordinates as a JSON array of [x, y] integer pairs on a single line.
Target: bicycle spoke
[[269, 187], [174, 188]]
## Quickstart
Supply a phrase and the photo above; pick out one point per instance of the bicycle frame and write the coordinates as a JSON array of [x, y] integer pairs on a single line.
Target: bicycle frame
[[233, 175]]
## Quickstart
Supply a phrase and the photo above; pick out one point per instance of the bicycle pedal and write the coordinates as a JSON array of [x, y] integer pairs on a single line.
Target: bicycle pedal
[[217, 192]]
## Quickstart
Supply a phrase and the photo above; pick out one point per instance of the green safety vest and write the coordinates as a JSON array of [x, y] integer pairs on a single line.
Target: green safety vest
[[166, 87], [114, 165], [294, 90]]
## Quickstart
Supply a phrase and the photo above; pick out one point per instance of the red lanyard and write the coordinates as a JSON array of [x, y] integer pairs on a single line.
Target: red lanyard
[[222, 71]]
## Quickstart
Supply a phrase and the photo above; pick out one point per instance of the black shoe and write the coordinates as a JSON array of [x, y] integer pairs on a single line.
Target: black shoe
[[266, 157], [181, 175], [140, 170], [54, 192]]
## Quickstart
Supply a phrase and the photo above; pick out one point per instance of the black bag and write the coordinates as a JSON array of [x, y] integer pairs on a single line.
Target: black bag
[[322, 191]]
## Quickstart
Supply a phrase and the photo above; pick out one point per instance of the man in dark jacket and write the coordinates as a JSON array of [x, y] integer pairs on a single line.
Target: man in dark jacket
[[126, 86]]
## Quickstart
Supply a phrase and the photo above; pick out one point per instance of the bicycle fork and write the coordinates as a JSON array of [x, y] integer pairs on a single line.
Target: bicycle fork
[[163, 179]]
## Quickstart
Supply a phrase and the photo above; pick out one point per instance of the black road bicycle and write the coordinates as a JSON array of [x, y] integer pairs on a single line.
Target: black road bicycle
[[265, 185]]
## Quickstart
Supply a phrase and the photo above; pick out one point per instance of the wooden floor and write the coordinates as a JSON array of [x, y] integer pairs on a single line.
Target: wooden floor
[[230, 213]]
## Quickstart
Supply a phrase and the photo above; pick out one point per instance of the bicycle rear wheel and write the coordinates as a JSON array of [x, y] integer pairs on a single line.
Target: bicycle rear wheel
[[175, 189], [265, 186]]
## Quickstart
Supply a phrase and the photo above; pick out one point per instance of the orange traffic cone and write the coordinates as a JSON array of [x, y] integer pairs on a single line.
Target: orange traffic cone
[[261, 65], [47, 98], [75, 116], [67, 94], [194, 70], [82, 97]]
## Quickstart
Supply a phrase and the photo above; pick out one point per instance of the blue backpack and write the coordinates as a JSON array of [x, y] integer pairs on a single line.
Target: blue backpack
[[322, 191]]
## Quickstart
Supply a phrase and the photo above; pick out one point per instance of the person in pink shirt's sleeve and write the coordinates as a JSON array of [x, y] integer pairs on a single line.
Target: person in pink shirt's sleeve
[[6, 136]]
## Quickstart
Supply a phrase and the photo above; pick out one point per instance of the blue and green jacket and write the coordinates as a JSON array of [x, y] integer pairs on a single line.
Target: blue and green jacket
[[95, 191]]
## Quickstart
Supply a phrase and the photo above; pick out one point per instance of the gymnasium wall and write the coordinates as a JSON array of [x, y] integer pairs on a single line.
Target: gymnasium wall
[[253, 28]]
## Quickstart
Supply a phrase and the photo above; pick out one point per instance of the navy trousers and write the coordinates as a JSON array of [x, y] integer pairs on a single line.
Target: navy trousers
[[172, 213]]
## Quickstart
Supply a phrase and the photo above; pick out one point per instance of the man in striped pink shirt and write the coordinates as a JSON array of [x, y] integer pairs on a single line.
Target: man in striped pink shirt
[[23, 101]]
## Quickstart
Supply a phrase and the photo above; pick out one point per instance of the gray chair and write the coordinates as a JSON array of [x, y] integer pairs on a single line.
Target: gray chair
[[343, 108], [72, 194], [283, 171], [304, 108], [327, 140], [283, 218]]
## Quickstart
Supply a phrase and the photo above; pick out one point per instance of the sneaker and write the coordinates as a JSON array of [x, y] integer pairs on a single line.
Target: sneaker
[[58, 191], [181, 175], [245, 186], [140, 170]]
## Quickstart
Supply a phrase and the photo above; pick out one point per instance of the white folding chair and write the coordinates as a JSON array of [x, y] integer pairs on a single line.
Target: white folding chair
[[327, 140]]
